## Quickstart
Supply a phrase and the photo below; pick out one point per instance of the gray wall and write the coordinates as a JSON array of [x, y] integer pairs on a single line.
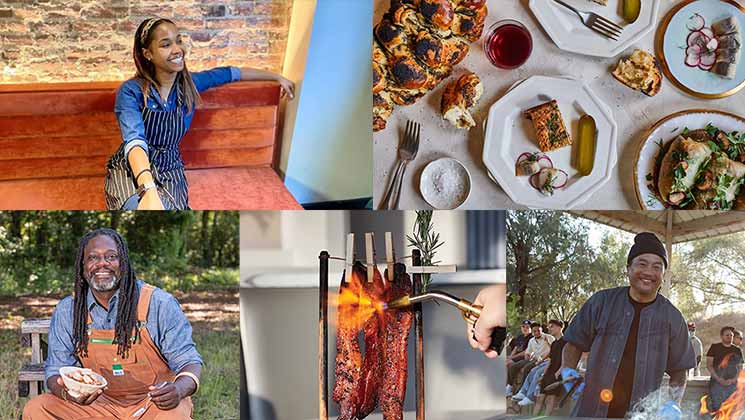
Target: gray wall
[[280, 338]]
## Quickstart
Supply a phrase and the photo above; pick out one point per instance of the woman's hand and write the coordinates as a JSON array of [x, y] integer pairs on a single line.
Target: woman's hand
[[493, 315], [81, 400], [288, 87], [150, 200]]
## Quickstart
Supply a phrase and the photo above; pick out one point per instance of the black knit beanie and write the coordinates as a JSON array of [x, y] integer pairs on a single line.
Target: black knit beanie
[[647, 243]]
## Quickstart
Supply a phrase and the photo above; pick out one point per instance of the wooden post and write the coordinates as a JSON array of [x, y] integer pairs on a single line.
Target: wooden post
[[416, 258], [370, 255], [667, 280], [323, 333], [390, 255]]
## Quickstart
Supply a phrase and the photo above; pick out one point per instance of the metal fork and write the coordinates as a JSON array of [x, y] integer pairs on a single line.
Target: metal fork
[[596, 22], [406, 153]]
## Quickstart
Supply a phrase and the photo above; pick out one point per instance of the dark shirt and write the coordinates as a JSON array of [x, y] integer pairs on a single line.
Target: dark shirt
[[520, 344], [557, 347], [624, 382], [718, 351]]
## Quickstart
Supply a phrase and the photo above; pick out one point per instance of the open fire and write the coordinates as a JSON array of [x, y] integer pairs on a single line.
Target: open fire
[[732, 407]]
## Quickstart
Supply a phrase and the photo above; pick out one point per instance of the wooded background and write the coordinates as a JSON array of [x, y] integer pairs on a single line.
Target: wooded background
[[187, 250]]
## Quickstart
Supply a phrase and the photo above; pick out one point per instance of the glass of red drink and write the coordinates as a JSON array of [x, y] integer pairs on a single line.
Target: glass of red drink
[[508, 44]]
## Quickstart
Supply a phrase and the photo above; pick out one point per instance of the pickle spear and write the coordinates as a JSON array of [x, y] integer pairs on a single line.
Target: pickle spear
[[631, 9], [586, 145]]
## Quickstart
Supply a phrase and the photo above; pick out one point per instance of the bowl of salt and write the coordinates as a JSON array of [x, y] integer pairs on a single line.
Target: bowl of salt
[[445, 183]]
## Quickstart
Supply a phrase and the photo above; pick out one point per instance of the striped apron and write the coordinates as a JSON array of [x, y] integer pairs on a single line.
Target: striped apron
[[164, 131]]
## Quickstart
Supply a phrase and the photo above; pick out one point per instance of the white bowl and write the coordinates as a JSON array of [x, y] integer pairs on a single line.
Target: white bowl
[[445, 183], [75, 388]]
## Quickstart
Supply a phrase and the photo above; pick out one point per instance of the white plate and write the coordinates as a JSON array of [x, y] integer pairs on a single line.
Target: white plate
[[666, 130], [570, 34], [508, 134], [694, 81], [445, 183]]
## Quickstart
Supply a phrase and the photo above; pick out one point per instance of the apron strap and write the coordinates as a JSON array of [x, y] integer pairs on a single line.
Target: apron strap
[[143, 302]]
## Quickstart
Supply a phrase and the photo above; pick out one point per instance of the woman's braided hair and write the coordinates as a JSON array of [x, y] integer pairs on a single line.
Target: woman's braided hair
[[126, 316]]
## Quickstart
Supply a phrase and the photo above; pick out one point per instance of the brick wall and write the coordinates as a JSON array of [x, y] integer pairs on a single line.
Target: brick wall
[[86, 40]]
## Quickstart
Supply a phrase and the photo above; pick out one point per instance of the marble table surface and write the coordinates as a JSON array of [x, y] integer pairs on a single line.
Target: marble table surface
[[633, 112]]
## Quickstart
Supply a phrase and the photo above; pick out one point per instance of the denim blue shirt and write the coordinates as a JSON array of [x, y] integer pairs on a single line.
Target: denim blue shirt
[[602, 326], [166, 324], [130, 101]]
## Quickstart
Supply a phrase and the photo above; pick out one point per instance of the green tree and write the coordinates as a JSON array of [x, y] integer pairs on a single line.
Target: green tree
[[552, 267]]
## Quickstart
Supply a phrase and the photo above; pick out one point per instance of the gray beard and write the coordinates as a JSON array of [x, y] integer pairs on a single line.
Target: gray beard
[[104, 287]]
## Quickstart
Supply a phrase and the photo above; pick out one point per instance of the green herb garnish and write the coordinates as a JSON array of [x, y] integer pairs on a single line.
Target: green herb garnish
[[426, 240], [553, 130]]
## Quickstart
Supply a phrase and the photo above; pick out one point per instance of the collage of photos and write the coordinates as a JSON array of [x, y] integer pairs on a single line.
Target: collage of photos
[[372, 209]]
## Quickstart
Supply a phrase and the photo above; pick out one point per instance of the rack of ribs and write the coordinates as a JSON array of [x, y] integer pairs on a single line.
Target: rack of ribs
[[397, 326]]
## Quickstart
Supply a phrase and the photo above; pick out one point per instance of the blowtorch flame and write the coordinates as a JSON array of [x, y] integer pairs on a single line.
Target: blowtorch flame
[[359, 300]]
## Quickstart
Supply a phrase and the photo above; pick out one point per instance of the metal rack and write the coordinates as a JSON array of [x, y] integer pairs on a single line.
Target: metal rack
[[416, 271]]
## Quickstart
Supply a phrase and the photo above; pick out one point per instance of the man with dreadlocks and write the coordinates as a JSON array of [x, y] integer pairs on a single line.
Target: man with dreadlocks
[[133, 334]]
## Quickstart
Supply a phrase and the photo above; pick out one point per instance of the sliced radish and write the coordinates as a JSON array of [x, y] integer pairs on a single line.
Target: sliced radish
[[693, 60], [547, 180], [708, 32], [705, 68], [708, 59], [712, 45], [561, 184], [526, 155], [694, 50], [696, 38], [550, 162], [696, 22]]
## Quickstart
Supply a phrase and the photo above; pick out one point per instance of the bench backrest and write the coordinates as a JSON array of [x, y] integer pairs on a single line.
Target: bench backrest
[[69, 130], [32, 329]]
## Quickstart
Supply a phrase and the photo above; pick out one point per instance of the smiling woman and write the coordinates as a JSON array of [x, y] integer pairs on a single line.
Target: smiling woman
[[155, 110]]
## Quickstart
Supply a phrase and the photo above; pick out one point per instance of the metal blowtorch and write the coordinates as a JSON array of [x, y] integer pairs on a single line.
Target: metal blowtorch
[[469, 311]]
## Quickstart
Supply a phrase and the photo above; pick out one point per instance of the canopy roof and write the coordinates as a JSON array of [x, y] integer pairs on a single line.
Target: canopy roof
[[672, 226]]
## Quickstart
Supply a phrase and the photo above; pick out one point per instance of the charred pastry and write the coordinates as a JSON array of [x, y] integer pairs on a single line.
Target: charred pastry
[[439, 13], [420, 41]]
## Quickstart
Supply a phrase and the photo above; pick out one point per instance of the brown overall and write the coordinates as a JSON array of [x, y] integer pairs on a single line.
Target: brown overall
[[125, 394]]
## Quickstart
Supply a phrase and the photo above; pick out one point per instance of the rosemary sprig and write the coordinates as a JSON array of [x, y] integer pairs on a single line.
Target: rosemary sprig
[[426, 240]]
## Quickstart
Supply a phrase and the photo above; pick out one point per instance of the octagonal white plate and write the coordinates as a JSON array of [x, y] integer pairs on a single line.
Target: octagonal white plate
[[508, 133], [666, 130], [570, 34]]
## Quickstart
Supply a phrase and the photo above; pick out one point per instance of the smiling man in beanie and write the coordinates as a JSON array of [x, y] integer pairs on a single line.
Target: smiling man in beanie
[[633, 335]]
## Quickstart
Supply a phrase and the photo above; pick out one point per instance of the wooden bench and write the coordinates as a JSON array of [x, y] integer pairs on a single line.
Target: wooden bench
[[31, 376], [55, 140]]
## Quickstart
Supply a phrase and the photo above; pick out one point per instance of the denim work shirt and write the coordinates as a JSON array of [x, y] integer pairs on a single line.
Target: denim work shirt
[[166, 323], [602, 327], [130, 101]]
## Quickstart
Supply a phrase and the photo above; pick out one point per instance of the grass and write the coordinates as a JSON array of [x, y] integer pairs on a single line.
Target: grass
[[218, 394], [216, 332]]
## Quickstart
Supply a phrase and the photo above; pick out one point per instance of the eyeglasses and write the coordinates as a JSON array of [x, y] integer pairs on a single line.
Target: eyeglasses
[[109, 258]]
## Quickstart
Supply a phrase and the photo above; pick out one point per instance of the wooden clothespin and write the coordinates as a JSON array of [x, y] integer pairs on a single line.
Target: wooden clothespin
[[370, 255], [390, 255], [432, 269], [349, 263]]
